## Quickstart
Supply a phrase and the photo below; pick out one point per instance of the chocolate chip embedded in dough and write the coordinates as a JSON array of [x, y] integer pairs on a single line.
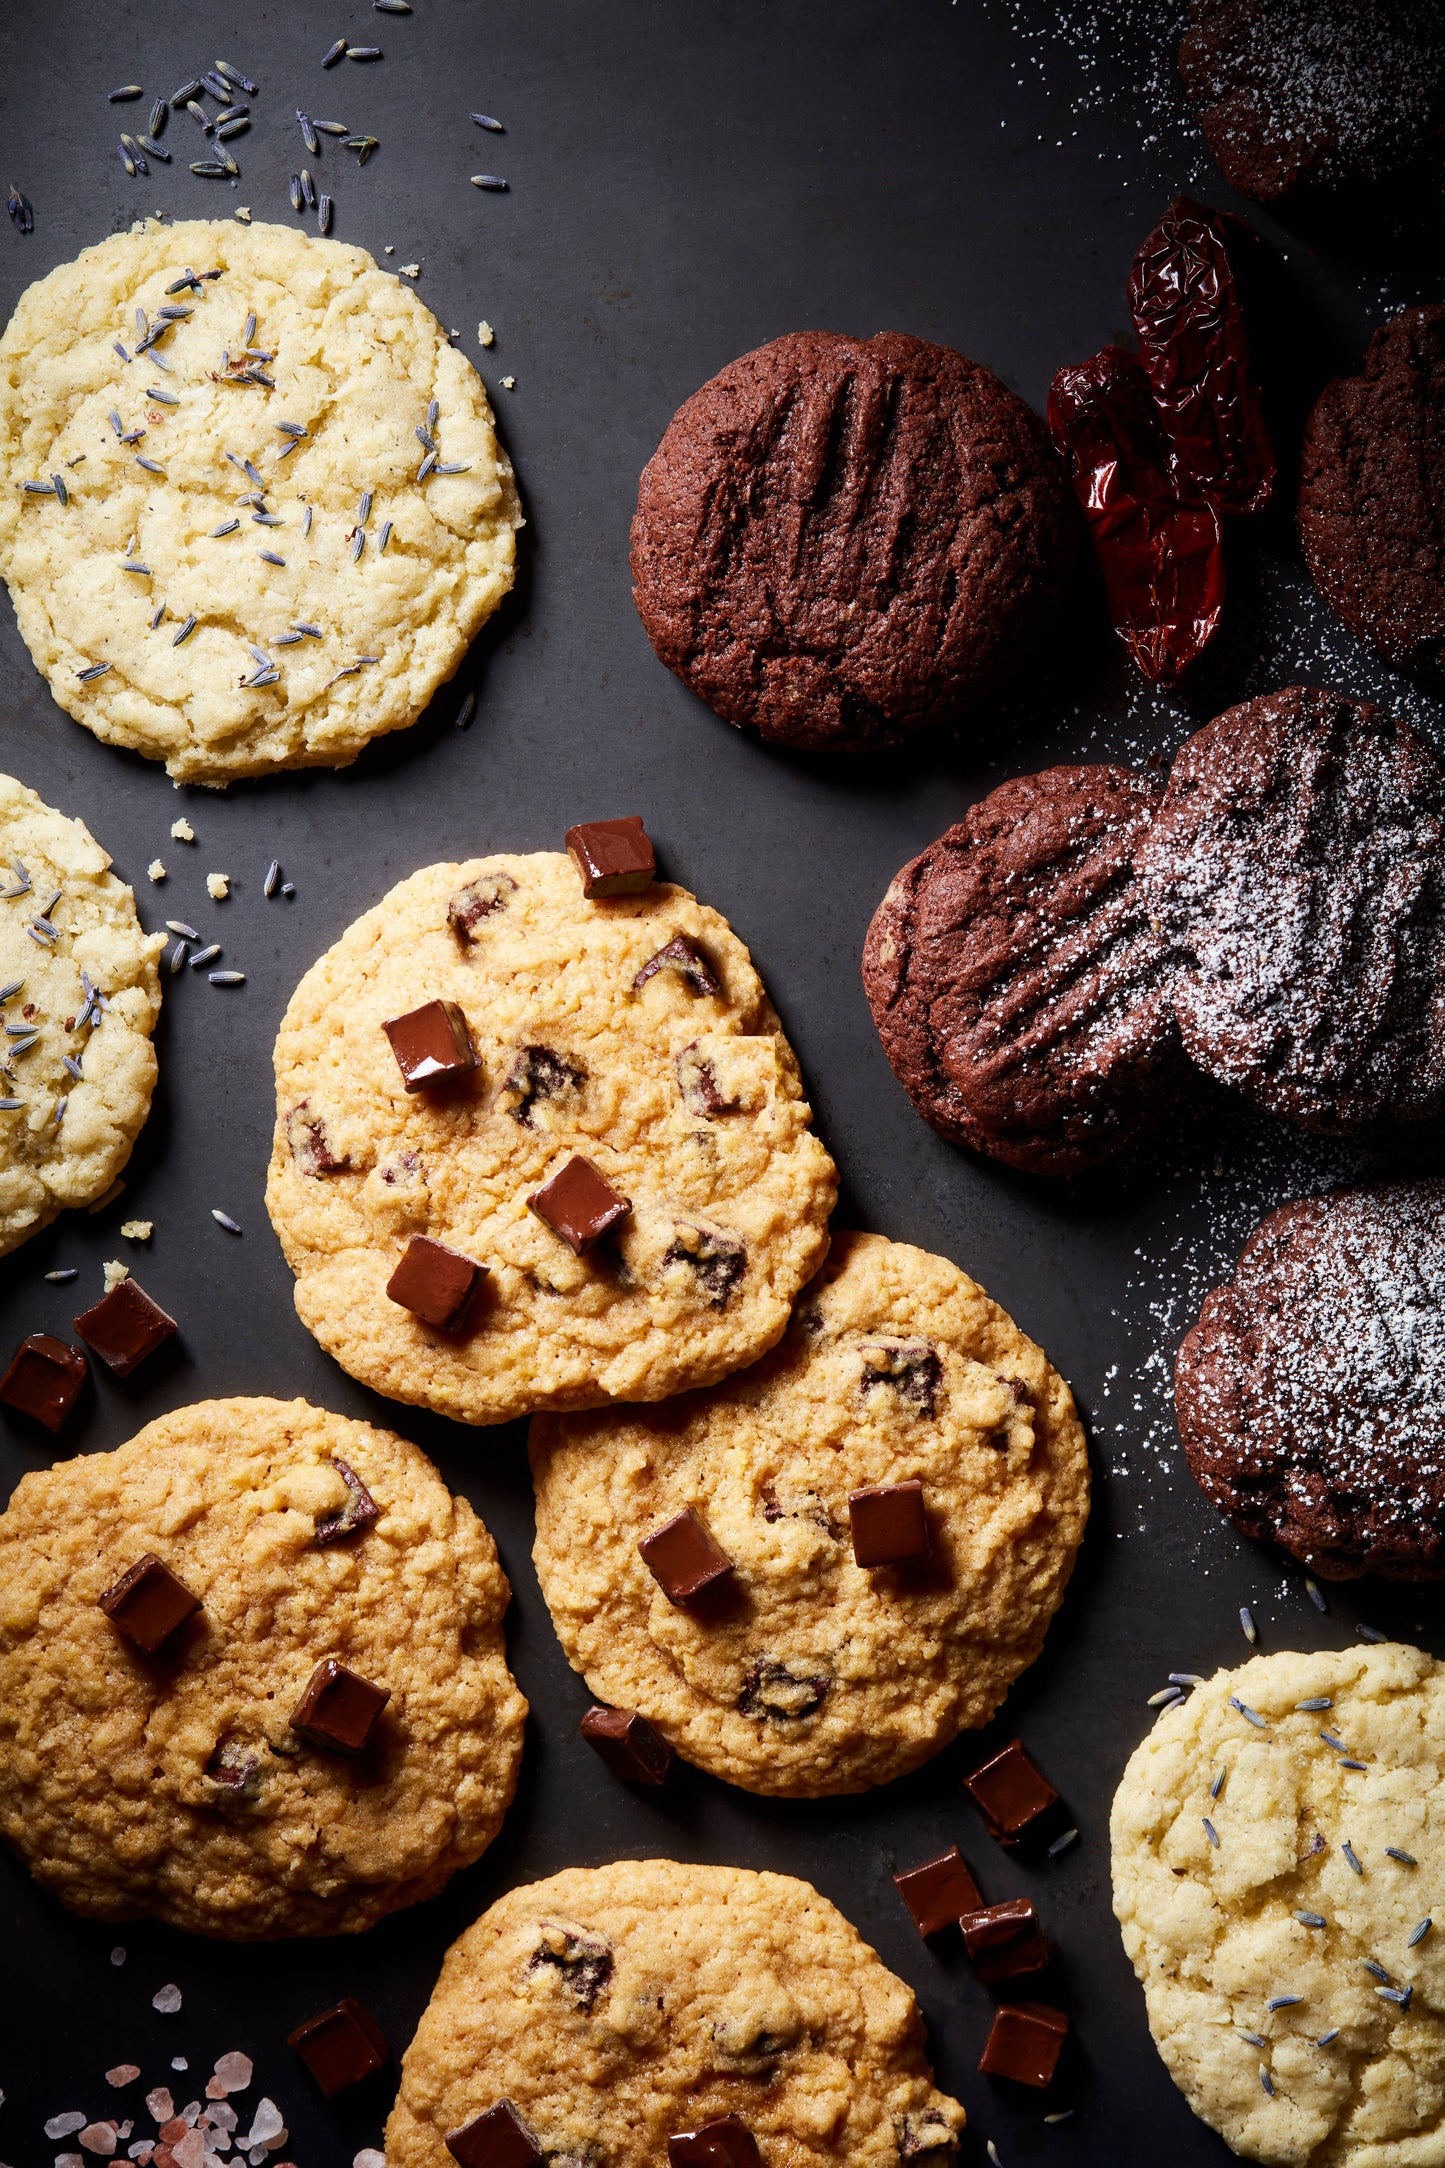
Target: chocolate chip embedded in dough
[[359, 1511], [614, 858], [44, 1379], [582, 1959], [148, 1603], [726, 2143], [684, 1559], [1025, 2043], [775, 1690], [889, 1524], [628, 1744], [432, 1045], [579, 1204], [435, 1283], [911, 1367], [719, 1260], [125, 1327], [697, 1081], [234, 1767], [939, 1891], [311, 1148], [339, 1708], [923, 2131], [341, 2046], [498, 2139], [683, 956], [468, 906], [537, 1072]]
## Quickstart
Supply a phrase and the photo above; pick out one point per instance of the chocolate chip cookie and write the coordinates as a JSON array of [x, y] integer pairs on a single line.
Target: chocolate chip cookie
[[1017, 983], [649, 2011], [841, 540], [252, 1678], [1372, 493], [811, 1578], [1311, 1393], [1297, 869]]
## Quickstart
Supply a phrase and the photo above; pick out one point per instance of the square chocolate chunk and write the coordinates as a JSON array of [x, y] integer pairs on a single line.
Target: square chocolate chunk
[[1011, 1793], [125, 1327], [1024, 2043], [888, 1523], [1004, 1941], [432, 1045], [339, 1708], [614, 858], [44, 1379], [435, 1283], [579, 1204], [498, 2139], [628, 1744], [683, 1558], [148, 1603], [939, 1892], [341, 2046], [727, 2143], [683, 956]]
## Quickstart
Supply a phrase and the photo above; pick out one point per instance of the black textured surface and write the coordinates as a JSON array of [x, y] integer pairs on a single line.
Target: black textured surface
[[686, 183]]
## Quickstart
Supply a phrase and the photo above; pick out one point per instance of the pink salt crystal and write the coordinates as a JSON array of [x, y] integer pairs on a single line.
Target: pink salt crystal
[[161, 2105], [99, 2138], [61, 2126], [167, 1999], [123, 2074], [70, 2160], [215, 2089], [233, 2072], [190, 2152]]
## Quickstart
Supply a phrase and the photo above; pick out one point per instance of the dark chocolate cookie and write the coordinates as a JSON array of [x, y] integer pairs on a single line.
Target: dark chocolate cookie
[[1297, 868], [841, 540], [1018, 988], [1295, 95], [1372, 492], [1311, 1394]]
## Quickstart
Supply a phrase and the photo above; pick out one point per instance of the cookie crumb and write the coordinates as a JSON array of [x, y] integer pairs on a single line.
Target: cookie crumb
[[137, 1230], [183, 831], [485, 334], [115, 1272], [410, 270], [243, 213], [156, 870], [509, 383], [218, 886]]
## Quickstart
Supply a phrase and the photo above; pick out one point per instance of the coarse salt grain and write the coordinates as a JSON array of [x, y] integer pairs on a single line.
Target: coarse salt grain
[[190, 2151], [160, 2104], [166, 1999], [234, 2071], [70, 2160], [178, 2062], [61, 2126], [369, 2157], [99, 2138], [123, 2074], [117, 1955], [266, 2125]]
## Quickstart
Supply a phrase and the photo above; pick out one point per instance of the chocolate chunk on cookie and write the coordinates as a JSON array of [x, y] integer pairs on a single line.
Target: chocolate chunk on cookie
[[1372, 493], [841, 540], [1017, 983], [1311, 1393], [1297, 869]]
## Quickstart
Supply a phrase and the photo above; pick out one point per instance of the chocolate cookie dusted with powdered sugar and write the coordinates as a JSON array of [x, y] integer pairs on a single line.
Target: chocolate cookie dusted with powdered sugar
[[1018, 986], [1297, 870], [1311, 1394]]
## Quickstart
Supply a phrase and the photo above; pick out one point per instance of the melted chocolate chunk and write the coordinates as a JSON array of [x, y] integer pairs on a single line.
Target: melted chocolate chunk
[[435, 1283], [771, 1689], [719, 1260], [683, 1557], [478, 900], [749, 2046], [683, 956], [923, 2131], [583, 1960], [339, 1708], [311, 1147], [579, 1204], [1025, 2043], [341, 2046], [44, 1379], [235, 1767], [359, 1511], [697, 1081], [614, 858], [628, 1744], [125, 1327], [808, 1507], [889, 1524], [148, 1603], [1011, 1793], [910, 1367], [726, 2143], [939, 1892], [498, 2139], [1004, 1940], [537, 1073], [432, 1045]]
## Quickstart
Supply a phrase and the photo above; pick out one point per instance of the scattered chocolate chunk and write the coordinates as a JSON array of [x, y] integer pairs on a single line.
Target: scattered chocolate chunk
[[1025, 2043], [773, 1689], [583, 1960], [432, 1045], [341, 2046], [311, 1147], [614, 858], [923, 2131], [911, 1367], [1011, 1793], [148, 1603], [697, 1081], [1004, 1940], [339, 1708], [719, 1260], [125, 1327], [537, 1073], [683, 1558], [727, 2143], [359, 1511], [579, 1204], [435, 1283], [498, 2139], [628, 1744], [683, 956], [939, 1892], [889, 1524], [44, 1379], [478, 900], [235, 1767]]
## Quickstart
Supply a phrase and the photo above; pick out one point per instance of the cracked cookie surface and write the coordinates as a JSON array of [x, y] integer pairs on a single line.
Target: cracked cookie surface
[[352, 361], [174, 1785], [688, 1102], [615, 2006], [821, 1675]]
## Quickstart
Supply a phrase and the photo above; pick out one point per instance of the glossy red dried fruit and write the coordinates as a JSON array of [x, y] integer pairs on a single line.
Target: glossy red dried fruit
[[1195, 353], [1162, 559]]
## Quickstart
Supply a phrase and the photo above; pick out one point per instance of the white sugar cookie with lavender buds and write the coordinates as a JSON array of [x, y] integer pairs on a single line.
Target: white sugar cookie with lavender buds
[[536, 1149], [252, 1675], [1279, 1844], [80, 1000], [252, 504]]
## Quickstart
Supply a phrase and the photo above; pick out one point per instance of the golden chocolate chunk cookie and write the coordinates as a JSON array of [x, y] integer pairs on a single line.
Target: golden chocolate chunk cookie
[[80, 988], [485, 1031], [1279, 1844], [609, 2009], [899, 1491], [214, 437], [252, 1678]]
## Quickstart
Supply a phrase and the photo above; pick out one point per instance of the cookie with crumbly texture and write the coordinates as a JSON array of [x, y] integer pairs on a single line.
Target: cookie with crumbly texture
[[1372, 492], [668, 1072], [842, 540], [822, 1675], [80, 975], [1297, 868], [175, 1785], [1311, 1393], [1017, 982], [615, 2007], [1286, 1989], [243, 466]]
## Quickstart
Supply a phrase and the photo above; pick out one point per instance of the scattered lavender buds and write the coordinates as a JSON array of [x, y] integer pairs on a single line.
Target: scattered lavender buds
[[1350, 1859], [20, 209], [488, 180], [485, 120], [223, 1219], [1211, 1832], [1247, 1626]]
